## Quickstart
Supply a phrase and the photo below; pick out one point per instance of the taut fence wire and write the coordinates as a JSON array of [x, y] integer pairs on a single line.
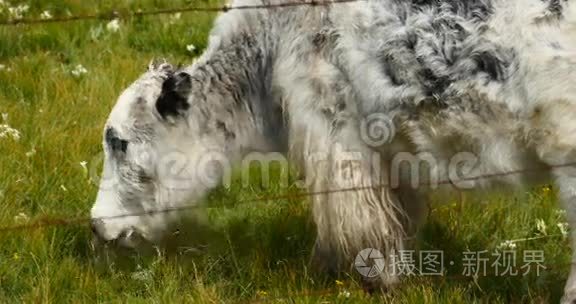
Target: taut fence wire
[[67, 221], [118, 14]]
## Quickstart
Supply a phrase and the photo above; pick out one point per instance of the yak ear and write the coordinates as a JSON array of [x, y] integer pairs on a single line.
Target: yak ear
[[173, 100], [160, 65]]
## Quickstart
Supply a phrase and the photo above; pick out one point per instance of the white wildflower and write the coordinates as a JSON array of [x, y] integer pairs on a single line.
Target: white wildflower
[[84, 165], [21, 218], [541, 226], [18, 12], [7, 131], [142, 274], [174, 18], [563, 228], [63, 188], [31, 153], [79, 70], [190, 48], [113, 26], [46, 15], [507, 245], [344, 293]]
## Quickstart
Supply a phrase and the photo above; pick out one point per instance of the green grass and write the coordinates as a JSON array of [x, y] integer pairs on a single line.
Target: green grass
[[253, 252]]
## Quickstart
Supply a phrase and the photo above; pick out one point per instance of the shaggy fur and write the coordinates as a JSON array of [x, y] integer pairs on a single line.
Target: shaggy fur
[[491, 78]]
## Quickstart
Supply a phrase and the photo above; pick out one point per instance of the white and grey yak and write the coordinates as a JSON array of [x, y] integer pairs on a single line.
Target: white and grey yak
[[471, 88]]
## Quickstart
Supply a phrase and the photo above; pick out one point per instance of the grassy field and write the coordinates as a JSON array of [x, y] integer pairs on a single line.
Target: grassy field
[[58, 82]]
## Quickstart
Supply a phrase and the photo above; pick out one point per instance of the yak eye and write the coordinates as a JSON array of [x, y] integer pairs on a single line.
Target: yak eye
[[114, 142], [118, 144]]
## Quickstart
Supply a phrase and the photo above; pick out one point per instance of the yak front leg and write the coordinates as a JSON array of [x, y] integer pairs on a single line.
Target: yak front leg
[[360, 220]]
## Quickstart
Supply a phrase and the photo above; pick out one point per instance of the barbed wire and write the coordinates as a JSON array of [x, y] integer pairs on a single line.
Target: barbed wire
[[117, 14], [60, 221], [46, 222]]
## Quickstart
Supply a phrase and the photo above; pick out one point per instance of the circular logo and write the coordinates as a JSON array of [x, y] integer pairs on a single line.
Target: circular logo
[[369, 262], [377, 129]]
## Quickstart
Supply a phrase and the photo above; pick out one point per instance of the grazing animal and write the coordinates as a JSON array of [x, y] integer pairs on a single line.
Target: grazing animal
[[469, 88]]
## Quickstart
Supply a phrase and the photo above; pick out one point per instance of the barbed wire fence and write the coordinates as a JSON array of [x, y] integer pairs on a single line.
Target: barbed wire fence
[[119, 14], [46, 222], [66, 221]]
